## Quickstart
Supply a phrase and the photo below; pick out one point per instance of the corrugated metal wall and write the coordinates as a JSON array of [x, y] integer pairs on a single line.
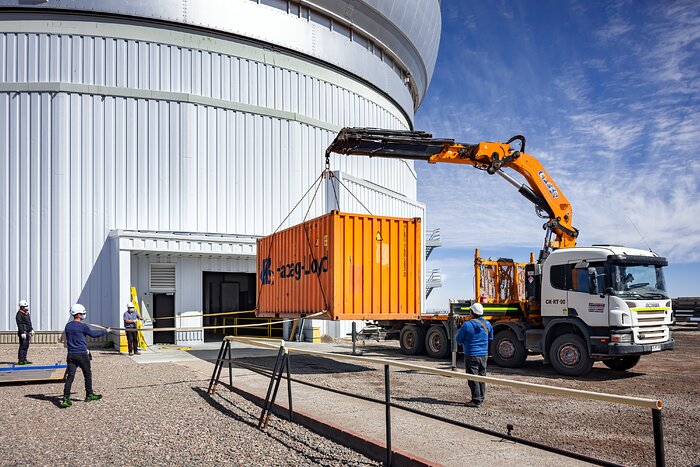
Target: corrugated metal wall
[[188, 275], [76, 165]]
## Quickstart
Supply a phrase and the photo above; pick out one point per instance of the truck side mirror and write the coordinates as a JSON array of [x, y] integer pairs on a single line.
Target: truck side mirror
[[592, 281]]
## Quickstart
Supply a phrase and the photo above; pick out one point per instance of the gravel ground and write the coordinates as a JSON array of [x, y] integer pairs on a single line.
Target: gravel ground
[[612, 432], [156, 414], [168, 411]]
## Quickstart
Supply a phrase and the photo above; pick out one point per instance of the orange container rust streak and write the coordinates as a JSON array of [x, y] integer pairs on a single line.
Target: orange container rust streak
[[350, 266]]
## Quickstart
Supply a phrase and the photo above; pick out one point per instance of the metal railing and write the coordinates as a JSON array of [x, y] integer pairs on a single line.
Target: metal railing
[[282, 366], [434, 241], [433, 281]]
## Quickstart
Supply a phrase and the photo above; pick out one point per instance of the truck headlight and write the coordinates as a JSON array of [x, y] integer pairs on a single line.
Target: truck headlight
[[621, 338]]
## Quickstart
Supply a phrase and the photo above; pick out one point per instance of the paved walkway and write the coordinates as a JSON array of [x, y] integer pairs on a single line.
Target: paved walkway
[[429, 439]]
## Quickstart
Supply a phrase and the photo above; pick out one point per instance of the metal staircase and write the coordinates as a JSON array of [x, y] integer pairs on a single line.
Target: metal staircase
[[432, 242], [434, 281]]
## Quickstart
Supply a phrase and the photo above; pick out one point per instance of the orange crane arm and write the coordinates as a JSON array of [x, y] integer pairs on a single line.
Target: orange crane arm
[[490, 156]]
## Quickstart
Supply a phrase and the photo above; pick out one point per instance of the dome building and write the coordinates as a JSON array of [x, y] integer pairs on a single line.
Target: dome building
[[149, 144]]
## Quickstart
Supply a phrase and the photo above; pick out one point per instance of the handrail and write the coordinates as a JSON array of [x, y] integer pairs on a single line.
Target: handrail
[[541, 388], [435, 275], [435, 234], [282, 362]]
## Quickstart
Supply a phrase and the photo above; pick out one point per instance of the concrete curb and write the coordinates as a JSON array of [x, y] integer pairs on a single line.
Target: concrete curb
[[372, 448]]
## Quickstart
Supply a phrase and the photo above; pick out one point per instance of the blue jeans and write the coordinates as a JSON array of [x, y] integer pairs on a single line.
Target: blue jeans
[[476, 366]]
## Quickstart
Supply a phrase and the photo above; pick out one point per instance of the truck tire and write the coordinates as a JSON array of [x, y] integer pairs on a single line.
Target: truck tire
[[507, 350], [437, 345], [412, 340], [622, 363], [569, 355]]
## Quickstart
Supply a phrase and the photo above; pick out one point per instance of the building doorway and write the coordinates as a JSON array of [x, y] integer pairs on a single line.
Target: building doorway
[[233, 291], [164, 313]]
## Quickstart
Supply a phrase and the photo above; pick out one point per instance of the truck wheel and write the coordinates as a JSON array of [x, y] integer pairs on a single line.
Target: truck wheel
[[507, 350], [569, 355], [437, 345], [412, 340], [622, 363]]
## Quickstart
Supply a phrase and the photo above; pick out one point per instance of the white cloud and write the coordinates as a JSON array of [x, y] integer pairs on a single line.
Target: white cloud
[[614, 29], [615, 126]]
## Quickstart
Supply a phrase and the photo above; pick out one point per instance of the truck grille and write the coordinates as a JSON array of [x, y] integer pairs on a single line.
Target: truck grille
[[651, 334], [650, 316]]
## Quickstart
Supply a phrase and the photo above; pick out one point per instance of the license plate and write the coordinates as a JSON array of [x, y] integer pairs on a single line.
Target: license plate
[[655, 347]]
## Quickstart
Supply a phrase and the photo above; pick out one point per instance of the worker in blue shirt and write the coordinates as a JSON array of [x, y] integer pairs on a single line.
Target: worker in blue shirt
[[132, 338], [78, 355], [475, 335]]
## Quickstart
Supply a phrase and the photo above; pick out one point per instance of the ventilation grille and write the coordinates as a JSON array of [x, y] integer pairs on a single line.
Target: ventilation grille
[[162, 278]]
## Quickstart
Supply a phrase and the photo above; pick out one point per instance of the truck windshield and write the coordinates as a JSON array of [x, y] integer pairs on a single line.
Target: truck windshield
[[638, 281]]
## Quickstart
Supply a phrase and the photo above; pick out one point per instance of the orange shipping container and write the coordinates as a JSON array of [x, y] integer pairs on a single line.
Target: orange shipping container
[[350, 266]]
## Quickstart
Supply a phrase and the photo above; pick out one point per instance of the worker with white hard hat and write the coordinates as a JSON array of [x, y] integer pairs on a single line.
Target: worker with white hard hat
[[132, 339], [78, 354], [475, 335], [25, 331]]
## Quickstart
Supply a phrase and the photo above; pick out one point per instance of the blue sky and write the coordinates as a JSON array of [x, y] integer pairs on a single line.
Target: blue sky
[[608, 96]]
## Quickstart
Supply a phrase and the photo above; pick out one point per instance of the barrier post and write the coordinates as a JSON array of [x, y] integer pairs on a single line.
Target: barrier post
[[272, 388], [387, 398], [226, 345], [658, 437], [230, 370], [354, 337], [453, 341], [289, 390], [213, 381]]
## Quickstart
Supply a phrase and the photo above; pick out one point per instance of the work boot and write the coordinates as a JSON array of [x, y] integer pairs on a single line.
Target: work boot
[[66, 402], [21, 362], [473, 404], [93, 397], [137, 353], [26, 362]]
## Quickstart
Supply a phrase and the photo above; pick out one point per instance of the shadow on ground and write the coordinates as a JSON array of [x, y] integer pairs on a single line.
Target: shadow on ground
[[290, 439], [55, 400], [299, 364], [533, 367]]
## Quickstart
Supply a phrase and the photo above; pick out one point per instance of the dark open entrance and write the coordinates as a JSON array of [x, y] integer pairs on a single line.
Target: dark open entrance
[[232, 291], [164, 307]]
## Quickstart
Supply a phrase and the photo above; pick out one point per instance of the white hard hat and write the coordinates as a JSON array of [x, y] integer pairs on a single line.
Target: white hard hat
[[23, 304], [129, 305], [78, 309], [477, 309]]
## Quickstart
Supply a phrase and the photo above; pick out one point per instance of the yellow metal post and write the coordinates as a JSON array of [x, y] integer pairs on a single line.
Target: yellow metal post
[[135, 301], [477, 275]]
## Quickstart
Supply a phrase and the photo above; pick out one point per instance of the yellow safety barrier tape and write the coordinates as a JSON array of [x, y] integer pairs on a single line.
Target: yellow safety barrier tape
[[542, 388], [207, 315], [198, 328]]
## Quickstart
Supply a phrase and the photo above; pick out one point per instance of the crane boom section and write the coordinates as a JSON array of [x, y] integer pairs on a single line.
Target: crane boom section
[[489, 156]]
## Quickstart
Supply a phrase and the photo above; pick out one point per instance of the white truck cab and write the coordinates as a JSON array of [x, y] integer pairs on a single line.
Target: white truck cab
[[603, 302]]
